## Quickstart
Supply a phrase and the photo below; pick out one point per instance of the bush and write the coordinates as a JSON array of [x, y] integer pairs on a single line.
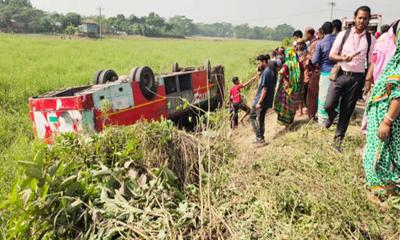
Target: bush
[[141, 181]]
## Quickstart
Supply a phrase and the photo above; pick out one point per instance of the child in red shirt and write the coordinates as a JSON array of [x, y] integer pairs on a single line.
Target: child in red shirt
[[236, 102]]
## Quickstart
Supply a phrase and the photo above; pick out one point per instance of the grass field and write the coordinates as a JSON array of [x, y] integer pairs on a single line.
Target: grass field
[[296, 187], [31, 65]]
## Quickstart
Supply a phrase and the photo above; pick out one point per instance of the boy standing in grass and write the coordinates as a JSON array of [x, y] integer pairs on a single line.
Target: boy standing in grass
[[236, 101]]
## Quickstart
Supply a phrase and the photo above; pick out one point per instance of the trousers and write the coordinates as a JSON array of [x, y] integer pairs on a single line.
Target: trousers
[[234, 116], [257, 118], [348, 88]]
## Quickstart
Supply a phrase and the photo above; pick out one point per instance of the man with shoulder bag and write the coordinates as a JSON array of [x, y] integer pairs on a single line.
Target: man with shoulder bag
[[352, 50]]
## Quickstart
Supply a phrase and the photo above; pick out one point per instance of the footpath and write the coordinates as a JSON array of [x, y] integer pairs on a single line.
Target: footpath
[[244, 136], [297, 186]]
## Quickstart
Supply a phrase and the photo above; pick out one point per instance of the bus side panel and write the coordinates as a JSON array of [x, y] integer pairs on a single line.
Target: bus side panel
[[143, 109], [203, 90], [49, 124], [61, 103]]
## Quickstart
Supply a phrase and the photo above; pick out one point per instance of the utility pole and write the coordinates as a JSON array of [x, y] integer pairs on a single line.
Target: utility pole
[[100, 9], [332, 4]]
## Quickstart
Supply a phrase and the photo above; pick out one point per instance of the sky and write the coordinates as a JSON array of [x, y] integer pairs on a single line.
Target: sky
[[298, 13]]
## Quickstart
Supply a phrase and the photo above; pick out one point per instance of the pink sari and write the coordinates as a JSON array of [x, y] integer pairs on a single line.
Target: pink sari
[[383, 52]]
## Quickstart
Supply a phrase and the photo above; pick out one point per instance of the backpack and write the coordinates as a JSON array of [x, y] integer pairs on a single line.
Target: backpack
[[346, 36], [336, 69]]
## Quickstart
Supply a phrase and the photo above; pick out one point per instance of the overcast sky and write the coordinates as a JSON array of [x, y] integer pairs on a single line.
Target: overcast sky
[[299, 14]]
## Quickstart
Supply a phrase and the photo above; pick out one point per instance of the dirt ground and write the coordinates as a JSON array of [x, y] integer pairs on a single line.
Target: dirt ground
[[243, 136]]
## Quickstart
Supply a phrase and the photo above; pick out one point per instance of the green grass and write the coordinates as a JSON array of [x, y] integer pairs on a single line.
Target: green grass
[[303, 189], [31, 65], [299, 189]]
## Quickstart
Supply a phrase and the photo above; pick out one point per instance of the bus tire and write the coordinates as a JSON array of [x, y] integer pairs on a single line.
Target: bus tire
[[95, 79], [108, 75], [147, 83]]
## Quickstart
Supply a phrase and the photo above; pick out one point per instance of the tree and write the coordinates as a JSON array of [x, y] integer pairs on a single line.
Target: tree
[[45, 24], [19, 3], [20, 16], [73, 19], [120, 23], [222, 29], [219, 29], [154, 25], [204, 30], [242, 31], [70, 30], [269, 32], [137, 28], [181, 26], [154, 20], [133, 19], [282, 31], [257, 33]]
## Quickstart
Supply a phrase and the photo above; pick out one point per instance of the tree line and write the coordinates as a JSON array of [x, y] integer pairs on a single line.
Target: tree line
[[19, 16]]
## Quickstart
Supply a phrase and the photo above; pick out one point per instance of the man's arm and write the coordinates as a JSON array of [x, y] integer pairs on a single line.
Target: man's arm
[[334, 54], [248, 83], [265, 79], [262, 97], [317, 53]]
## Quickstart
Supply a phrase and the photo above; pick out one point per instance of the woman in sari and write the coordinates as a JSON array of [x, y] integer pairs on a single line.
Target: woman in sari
[[384, 50], [311, 77], [382, 152], [289, 94]]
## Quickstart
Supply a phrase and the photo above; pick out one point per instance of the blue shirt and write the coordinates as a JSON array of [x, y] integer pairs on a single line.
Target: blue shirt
[[321, 54], [268, 81]]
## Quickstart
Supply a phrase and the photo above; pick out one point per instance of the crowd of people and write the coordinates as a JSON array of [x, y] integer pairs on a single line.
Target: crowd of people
[[325, 73]]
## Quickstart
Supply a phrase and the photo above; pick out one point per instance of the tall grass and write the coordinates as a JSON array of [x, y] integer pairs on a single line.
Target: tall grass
[[31, 65], [302, 189], [142, 181], [299, 189]]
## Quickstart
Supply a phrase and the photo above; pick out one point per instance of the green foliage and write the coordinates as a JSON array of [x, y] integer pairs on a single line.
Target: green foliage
[[46, 71], [144, 180], [73, 19], [300, 188], [20, 16], [138, 181], [70, 30], [222, 30], [119, 23], [244, 31], [36, 65], [282, 31], [182, 26], [19, 3]]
